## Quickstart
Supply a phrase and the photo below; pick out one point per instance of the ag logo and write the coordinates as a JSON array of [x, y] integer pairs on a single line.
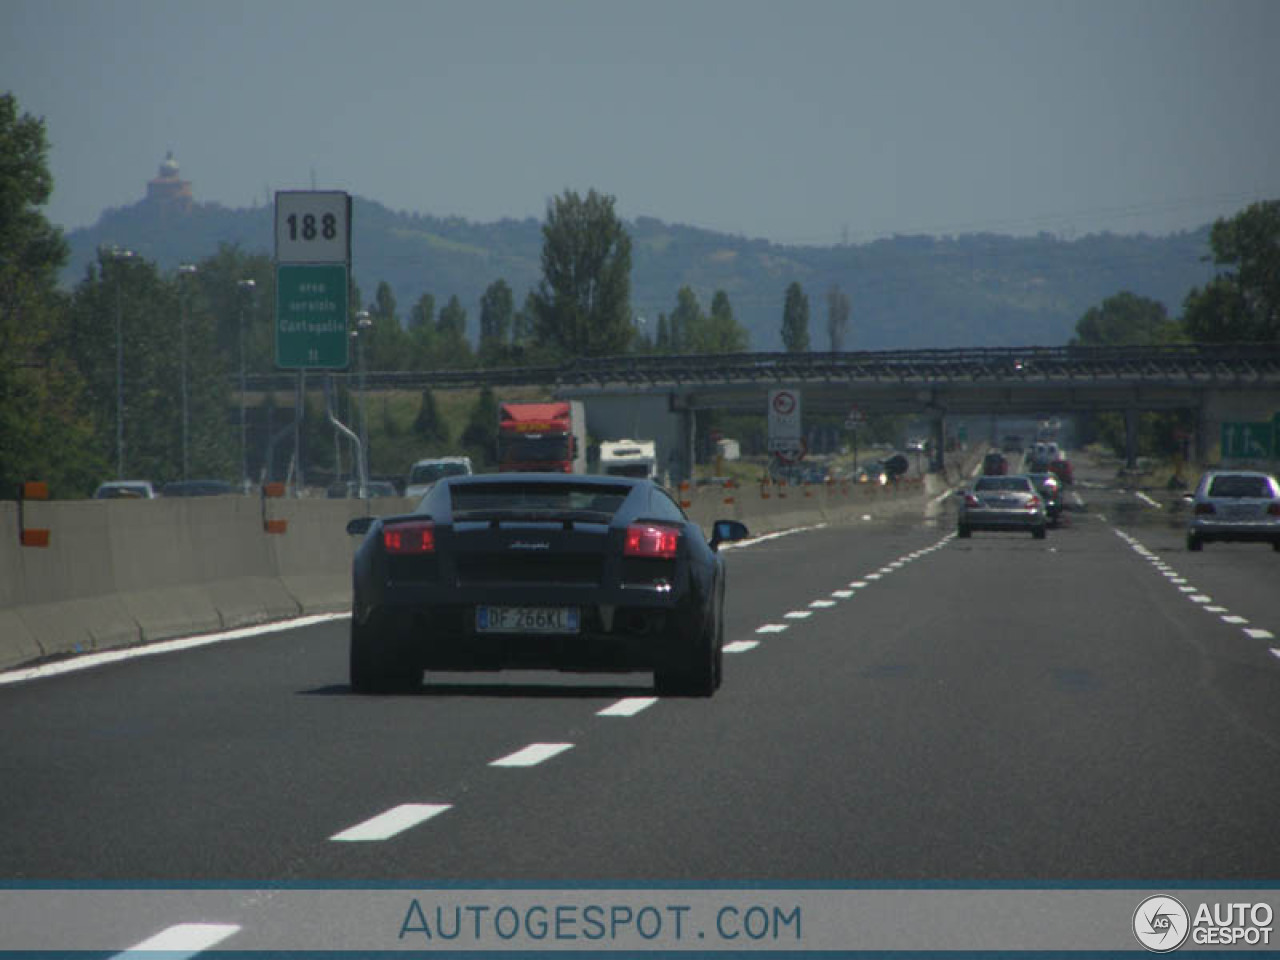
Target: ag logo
[[1161, 924]]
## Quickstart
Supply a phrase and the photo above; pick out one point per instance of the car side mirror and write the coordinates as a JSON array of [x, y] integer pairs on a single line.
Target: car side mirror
[[359, 526], [727, 531]]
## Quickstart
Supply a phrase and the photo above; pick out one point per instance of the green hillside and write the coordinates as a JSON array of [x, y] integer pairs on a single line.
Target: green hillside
[[906, 292]]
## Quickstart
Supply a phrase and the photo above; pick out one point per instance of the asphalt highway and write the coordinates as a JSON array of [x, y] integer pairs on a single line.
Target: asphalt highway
[[898, 705]]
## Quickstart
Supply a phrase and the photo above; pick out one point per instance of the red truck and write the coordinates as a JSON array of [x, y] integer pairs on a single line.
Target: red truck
[[542, 437]]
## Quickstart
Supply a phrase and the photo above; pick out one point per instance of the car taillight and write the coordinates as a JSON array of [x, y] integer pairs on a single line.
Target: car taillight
[[1202, 508], [652, 541], [1034, 503], [971, 501], [409, 538]]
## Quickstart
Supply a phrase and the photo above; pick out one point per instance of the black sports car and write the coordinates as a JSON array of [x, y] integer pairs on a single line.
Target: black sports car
[[539, 571]]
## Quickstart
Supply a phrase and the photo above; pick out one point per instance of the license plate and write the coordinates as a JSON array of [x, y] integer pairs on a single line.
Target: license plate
[[526, 619]]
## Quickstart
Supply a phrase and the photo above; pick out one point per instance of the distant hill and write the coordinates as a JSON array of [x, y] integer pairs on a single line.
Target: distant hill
[[906, 292]]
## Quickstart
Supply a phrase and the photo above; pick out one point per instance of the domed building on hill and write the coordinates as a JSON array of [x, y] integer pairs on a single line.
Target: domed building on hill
[[168, 190]]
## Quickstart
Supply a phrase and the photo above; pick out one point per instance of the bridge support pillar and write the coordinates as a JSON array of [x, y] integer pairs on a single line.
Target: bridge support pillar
[[1130, 437], [689, 429], [937, 445]]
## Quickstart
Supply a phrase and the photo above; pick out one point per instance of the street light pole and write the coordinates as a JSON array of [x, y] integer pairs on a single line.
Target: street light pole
[[245, 288], [185, 270], [118, 257], [363, 323]]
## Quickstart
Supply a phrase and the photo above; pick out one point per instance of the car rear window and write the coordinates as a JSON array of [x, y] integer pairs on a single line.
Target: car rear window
[[472, 501], [1230, 486], [1003, 483], [431, 472]]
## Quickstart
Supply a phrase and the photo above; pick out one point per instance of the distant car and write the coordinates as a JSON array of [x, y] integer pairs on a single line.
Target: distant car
[[125, 490], [1235, 505], [1050, 489], [1002, 503], [539, 571], [873, 472], [351, 488], [896, 465], [426, 472], [994, 464], [197, 488], [1061, 468]]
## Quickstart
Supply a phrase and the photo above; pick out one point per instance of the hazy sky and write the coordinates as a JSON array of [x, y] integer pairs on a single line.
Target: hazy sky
[[799, 121]]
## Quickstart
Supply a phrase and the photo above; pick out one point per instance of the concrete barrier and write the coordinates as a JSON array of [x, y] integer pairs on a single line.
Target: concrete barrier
[[120, 572]]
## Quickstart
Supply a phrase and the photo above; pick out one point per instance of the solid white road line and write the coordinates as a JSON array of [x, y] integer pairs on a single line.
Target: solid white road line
[[386, 825], [183, 940], [741, 646], [772, 628], [1259, 634], [628, 707], [168, 646], [532, 755]]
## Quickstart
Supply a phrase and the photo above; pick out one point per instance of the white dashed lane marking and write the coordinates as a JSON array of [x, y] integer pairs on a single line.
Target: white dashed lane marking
[[857, 584], [1201, 598], [842, 594], [772, 628], [1234, 619], [394, 821], [532, 755], [822, 604], [181, 941], [799, 615], [1259, 634], [628, 707], [741, 646]]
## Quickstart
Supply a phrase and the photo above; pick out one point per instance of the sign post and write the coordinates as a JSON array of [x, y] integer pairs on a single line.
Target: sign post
[[785, 434], [852, 421], [313, 265]]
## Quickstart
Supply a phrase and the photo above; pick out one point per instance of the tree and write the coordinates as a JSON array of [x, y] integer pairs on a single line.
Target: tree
[[1125, 319], [687, 322], [480, 435], [837, 317], [497, 306], [46, 430], [723, 332], [1240, 305], [451, 334], [427, 426], [387, 345], [662, 343], [795, 320], [583, 304], [422, 333]]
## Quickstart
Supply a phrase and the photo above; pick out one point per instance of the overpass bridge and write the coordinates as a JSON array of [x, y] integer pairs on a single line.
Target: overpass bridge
[[661, 396]]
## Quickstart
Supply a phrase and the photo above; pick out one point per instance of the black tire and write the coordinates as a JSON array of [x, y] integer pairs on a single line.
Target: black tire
[[963, 532], [1038, 532], [1275, 545], [378, 662], [699, 675], [1194, 543]]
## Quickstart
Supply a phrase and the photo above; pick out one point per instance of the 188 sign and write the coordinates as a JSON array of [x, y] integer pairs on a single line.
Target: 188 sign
[[328, 226], [313, 226]]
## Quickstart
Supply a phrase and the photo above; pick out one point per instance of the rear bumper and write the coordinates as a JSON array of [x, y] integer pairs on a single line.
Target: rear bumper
[[1001, 520], [1243, 532]]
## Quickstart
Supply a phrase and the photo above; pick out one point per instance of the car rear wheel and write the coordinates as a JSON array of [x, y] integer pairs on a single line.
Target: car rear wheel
[[1194, 543], [699, 676], [1038, 533], [378, 661]]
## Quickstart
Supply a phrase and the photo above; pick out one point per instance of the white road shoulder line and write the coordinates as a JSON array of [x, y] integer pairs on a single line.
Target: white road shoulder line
[[183, 940], [532, 755], [741, 646], [627, 707], [388, 824]]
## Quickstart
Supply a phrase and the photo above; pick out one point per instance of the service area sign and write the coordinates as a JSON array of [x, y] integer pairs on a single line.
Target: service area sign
[[785, 433], [313, 264], [311, 316], [313, 226]]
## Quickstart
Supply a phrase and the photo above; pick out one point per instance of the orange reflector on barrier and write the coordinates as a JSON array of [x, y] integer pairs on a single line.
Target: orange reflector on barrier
[[35, 490], [273, 489], [276, 526], [35, 538]]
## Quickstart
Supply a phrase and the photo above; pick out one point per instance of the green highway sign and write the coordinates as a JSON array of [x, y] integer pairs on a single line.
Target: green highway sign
[[1248, 441], [311, 316]]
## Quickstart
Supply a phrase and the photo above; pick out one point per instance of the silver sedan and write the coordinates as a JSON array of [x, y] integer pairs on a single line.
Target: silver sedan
[[1001, 503], [1235, 505]]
